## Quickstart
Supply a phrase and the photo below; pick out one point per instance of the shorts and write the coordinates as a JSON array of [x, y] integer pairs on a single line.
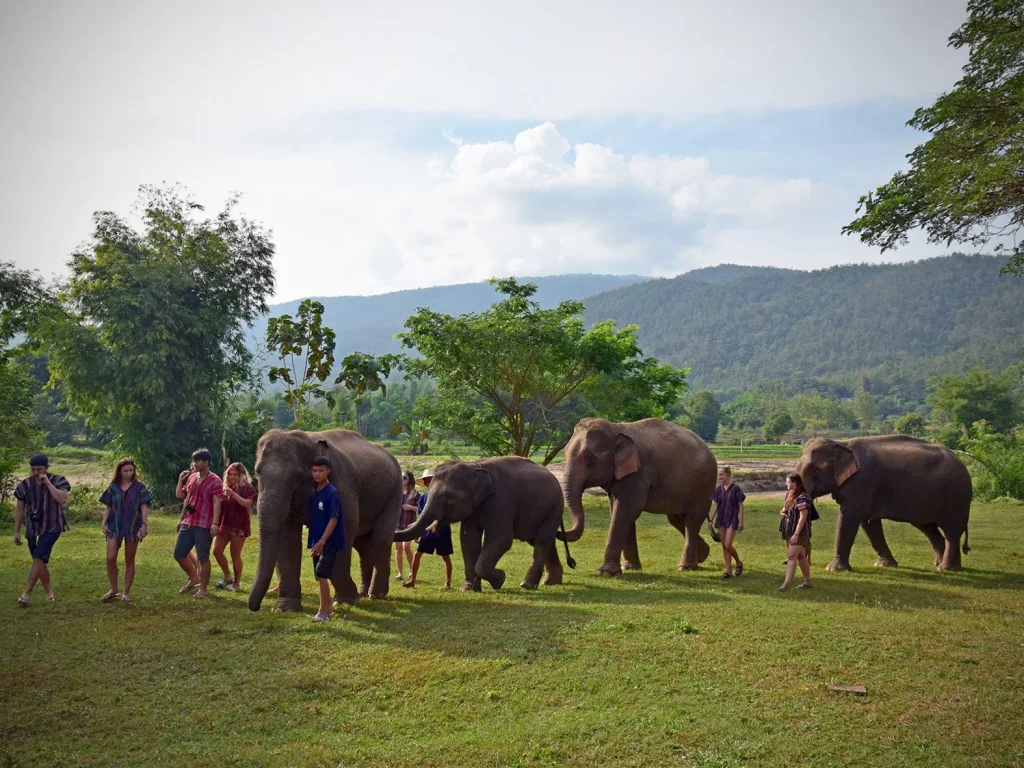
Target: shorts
[[190, 536], [41, 546], [803, 541], [438, 546], [323, 565], [733, 522]]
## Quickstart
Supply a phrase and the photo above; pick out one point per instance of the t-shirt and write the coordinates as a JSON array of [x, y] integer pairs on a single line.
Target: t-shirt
[[325, 504], [443, 531], [199, 494], [792, 517], [728, 502], [42, 512]]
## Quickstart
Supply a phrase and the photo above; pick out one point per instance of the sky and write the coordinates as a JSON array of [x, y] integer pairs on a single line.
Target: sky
[[397, 144]]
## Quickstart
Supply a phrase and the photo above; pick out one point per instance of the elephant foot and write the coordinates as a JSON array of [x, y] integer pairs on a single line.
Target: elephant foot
[[288, 604], [944, 566], [837, 565], [689, 565], [363, 591], [342, 600], [628, 566], [886, 562], [379, 594], [471, 586], [497, 580], [609, 569], [528, 584], [552, 579]]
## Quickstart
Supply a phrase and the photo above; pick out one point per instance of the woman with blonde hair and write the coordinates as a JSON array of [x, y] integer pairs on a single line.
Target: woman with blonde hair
[[238, 497], [125, 518]]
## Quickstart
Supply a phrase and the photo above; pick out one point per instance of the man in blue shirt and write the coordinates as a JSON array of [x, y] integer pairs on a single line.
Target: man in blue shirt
[[326, 532]]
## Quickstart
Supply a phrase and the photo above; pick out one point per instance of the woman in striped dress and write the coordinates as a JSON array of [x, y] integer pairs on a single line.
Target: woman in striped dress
[[410, 498], [127, 501]]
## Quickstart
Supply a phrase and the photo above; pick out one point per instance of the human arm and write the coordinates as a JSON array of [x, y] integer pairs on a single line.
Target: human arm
[[741, 516], [59, 494], [740, 498], [107, 512], [800, 525], [19, 518], [144, 528], [180, 491], [245, 502], [216, 515], [318, 548]]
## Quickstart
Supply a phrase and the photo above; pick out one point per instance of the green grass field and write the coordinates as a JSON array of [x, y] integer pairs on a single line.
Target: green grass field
[[653, 668]]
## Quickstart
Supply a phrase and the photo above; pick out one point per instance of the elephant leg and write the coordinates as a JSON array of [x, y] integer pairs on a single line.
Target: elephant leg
[[875, 534], [379, 551], [624, 515], [345, 591], [553, 566], [935, 538], [289, 566], [362, 546], [951, 556], [486, 566], [630, 553], [846, 532], [695, 549], [533, 573], [470, 536]]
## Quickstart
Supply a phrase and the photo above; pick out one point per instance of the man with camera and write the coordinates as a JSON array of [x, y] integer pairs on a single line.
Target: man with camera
[[41, 498], [199, 522]]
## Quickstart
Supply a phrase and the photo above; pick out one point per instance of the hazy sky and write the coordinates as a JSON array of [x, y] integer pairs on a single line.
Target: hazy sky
[[392, 145]]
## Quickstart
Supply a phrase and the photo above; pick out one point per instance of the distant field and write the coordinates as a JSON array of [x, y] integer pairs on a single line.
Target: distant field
[[650, 669]]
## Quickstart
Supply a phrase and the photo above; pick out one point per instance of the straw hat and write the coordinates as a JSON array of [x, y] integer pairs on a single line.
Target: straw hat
[[427, 474]]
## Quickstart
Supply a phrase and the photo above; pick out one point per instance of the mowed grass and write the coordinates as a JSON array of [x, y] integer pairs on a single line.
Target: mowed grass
[[652, 668]]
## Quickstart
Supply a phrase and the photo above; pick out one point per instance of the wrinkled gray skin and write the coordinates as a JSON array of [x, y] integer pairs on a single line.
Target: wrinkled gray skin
[[369, 482], [650, 465], [892, 477], [497, 500]]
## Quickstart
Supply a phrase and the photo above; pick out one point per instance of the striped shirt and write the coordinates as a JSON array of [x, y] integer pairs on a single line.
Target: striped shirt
[[42, 512], [792, 518], [199, 494]]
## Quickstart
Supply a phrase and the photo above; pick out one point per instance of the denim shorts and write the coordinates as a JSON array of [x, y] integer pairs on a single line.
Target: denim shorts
[[41, 546], [323, 566], [190, 536]]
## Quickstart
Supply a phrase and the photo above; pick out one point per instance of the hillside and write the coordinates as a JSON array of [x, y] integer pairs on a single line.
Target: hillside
[[736, 326], [369, 323]]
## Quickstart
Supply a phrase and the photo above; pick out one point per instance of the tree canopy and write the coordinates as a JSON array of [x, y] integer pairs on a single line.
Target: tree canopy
[[515, 379], [965, 184]]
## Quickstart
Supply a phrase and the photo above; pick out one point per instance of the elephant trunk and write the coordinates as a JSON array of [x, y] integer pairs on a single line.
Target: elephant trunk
[[270, 517], [419, 526], [572, 489]]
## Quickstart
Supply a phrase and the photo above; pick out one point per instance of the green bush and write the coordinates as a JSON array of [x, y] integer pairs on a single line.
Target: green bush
[[83, 504], [996, 462]]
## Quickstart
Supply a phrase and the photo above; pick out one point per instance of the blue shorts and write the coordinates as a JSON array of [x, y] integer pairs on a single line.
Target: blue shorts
[[435, 546], [323, 565], [41, 546], [190, 536]]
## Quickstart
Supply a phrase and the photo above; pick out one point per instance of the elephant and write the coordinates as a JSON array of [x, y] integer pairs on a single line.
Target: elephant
[[649, 465], [369, 482], [498, 500], [891, 477]]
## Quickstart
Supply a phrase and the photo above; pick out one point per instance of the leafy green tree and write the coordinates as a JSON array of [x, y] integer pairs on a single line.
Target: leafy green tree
[[515, 378], [303, 345], [964, 183], [745, 411], [149, 337], [996, 462], [777, 425], [865, 408], [911, 424], [958, 402], [705, 415]]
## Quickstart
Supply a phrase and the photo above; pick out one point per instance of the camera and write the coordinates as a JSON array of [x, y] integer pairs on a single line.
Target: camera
[[190, 508], [35, 514]]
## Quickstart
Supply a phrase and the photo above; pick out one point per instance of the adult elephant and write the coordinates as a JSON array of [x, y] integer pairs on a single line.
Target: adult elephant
[[369, 482], [649, 465], [891, 477], [496, 501]]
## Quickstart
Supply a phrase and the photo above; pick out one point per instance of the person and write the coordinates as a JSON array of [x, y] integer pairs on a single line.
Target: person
[[795, 527], [237, 499], [125, 519], [40, 504], [326, 532], [410, 505], [199, 522], [728, 498], [437, 542]]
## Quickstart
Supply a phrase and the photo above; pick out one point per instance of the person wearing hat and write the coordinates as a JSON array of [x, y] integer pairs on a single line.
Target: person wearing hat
[[436, 542], [40, 505]]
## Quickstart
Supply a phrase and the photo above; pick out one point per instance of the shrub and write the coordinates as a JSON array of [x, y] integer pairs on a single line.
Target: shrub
[[83, 504], [996, 462]]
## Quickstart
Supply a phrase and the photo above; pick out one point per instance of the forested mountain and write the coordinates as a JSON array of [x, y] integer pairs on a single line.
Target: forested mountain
[[896, 323], [369, 323]]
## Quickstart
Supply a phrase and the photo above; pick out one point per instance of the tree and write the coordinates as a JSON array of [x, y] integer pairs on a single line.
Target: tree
[[305, 345], [865, 408], [910, 424], [777, 425], [148, 339], [959, 401], [515, 378], [705, 415], [964, 183]]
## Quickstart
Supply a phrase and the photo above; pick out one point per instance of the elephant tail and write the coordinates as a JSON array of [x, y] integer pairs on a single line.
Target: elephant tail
[[967, 549]]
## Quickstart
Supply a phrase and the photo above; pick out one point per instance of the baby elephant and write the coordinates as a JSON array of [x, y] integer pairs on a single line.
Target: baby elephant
[[496, 500]]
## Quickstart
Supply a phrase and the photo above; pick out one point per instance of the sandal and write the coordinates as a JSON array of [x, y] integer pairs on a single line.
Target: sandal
[[125, 599], [223, 583], [805, 585], [51, 598], [187, 588], [23, 601], [739, 569], [782, 587], [111, 595], [199, 596], [321, 618]]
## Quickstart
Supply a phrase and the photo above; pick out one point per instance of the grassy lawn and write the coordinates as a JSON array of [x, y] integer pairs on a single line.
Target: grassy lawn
[[653, 668]]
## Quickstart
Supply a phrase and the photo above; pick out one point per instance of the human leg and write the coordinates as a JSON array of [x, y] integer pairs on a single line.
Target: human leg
[[113, 545], [415, 570], [220, 543], [204, 541], [324, 613], [131, 547], [183, 554], [398, 560], [723, 536], [447, 571], [237, 544]]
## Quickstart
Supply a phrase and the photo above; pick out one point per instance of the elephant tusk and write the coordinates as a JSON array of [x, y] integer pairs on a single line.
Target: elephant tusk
[[433, 526]]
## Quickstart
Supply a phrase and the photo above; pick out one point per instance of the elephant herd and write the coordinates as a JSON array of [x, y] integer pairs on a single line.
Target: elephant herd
[[650, 465]]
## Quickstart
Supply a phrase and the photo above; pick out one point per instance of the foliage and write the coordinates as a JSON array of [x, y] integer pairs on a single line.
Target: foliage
[[996, 462], [84, 503], [705, 414], [514, 379], [303, 344], [777, 425], [243, 422], [959, 401], [148, 340], [911, 424], [362, 373], [964, 182]]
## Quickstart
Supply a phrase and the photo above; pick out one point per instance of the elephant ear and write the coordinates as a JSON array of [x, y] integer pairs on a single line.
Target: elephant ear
[[483, 487], [321, 447], [627, 458], [846, 465]]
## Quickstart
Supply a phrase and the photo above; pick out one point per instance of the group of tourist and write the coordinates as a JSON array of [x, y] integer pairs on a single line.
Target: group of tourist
[[215, 517]]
